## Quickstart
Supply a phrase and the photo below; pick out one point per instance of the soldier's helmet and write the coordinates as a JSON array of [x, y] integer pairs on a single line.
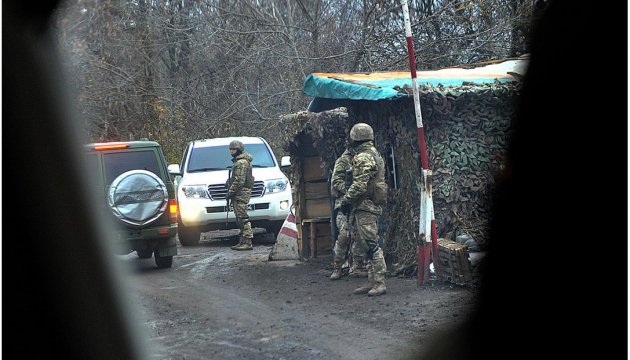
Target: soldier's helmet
[[235, 144], [361, 132]]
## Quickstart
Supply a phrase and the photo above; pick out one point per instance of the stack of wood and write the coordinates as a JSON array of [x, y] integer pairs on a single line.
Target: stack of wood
[[315, 142], [454, 261], [320, 136]]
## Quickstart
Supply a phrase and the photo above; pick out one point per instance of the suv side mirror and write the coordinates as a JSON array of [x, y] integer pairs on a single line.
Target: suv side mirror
[[285, 161], [173, 169]]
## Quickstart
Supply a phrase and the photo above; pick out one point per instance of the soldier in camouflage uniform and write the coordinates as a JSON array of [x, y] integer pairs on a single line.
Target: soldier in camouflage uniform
[[240, 191], [367, 168], [341, 179]]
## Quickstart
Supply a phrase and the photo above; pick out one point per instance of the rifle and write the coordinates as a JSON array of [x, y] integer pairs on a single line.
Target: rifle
[[227, 211], [350, 237], [349, 228], [227, 199]]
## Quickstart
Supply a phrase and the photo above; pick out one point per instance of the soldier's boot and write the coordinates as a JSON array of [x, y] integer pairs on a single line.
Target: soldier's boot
[[241, 239], [368, 286], [379, 286], [336, 274], [246, 245], [378, 268]]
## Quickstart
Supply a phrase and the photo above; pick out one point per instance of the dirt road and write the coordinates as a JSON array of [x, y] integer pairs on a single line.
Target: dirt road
[[216, 303]]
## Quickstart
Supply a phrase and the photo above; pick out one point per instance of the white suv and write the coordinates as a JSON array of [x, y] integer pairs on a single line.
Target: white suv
[[201, 187]]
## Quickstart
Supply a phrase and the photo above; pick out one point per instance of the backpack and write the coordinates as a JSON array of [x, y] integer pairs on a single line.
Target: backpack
[[378, 187]]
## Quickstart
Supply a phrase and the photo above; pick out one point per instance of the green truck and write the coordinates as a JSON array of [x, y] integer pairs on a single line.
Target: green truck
[[136, 193]]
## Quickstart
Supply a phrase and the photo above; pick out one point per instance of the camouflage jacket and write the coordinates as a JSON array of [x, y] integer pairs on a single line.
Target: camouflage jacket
[[339, 182], [364, 171], [242, 180]]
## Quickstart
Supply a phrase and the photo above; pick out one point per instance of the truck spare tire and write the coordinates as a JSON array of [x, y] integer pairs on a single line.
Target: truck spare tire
[[138, 197]]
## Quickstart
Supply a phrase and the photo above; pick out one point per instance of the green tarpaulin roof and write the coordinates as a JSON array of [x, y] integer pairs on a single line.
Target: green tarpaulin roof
[[389, 85]]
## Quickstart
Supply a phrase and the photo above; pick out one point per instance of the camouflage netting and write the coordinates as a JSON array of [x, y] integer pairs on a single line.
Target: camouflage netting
[[467, 130]]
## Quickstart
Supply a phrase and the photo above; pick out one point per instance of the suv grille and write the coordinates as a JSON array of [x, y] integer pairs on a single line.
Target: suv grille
[[218, 191]]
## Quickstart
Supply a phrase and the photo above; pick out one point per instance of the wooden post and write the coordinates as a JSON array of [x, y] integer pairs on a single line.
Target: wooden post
[[312, 240]]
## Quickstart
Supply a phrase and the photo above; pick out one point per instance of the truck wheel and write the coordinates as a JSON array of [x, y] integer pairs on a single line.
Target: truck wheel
[[188, 236], [144, 254], [163, 262]]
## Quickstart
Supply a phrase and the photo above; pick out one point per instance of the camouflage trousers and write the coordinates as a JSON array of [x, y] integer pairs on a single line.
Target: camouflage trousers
[[365, 234], [242, 219], [342, 244]]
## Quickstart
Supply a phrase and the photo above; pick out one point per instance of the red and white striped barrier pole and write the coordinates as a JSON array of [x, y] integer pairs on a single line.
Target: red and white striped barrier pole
[[427, 229]]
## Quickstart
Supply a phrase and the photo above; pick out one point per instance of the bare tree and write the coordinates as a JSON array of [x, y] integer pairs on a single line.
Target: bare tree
[[176, 71]]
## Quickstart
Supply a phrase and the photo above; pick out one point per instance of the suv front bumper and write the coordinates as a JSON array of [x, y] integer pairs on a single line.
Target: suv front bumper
[[201, 212]]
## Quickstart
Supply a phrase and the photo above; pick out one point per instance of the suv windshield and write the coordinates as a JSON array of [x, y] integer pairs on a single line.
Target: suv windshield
[[118, 163], [218, 157]]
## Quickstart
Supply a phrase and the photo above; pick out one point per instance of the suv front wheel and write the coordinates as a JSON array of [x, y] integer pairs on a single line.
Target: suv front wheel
[[275, 228]]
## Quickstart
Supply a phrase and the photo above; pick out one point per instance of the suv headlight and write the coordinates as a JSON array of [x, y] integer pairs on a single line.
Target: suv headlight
[[195, 191], [276, 185]]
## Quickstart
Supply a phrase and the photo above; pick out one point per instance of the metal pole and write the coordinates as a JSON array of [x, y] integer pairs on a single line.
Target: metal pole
[[227, 200], [428, 216]]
